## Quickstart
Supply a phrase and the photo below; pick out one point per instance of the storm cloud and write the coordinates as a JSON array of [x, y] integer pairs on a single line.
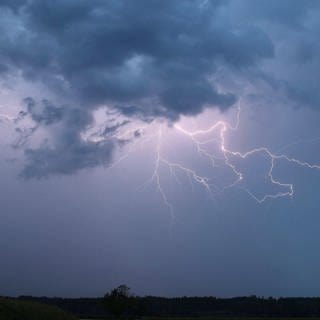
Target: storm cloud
[[146, 59]]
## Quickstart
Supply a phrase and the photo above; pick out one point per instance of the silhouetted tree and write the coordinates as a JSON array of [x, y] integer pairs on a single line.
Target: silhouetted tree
[[118, 300]]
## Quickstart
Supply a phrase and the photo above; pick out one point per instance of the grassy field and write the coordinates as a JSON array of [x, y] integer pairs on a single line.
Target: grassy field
[[11, 309]]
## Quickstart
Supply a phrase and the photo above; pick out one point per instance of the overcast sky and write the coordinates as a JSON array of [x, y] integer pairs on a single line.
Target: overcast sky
[[170, 145]]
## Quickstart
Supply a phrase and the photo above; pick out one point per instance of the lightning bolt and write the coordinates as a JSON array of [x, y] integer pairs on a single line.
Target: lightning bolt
[[7, 117], [201, 140], [156, 175], [220, 129]]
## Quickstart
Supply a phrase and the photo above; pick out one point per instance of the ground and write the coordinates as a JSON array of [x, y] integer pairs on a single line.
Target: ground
[[11, 309]]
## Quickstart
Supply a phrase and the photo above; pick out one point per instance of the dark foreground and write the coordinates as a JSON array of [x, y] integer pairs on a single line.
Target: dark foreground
[[20, 309], [193, 307], [13, 309]]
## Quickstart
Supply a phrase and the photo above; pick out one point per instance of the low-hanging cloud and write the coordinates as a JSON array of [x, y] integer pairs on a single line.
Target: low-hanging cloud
[[145, 58]]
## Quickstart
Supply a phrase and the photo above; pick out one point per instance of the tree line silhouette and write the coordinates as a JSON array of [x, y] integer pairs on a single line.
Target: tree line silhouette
[[120, 302]]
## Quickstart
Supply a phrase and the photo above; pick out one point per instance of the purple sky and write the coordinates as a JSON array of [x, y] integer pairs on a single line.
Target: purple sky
[[169, 145]]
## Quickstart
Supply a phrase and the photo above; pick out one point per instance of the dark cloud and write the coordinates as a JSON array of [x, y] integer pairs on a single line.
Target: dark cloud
[[294, 27], [46, 113], [70, 152], [12, 4], [67, 158], [111, 129], [122, 51], [158, 56], [291, 13]]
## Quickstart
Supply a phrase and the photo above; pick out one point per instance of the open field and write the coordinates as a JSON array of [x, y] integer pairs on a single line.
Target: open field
[[11, 309]]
